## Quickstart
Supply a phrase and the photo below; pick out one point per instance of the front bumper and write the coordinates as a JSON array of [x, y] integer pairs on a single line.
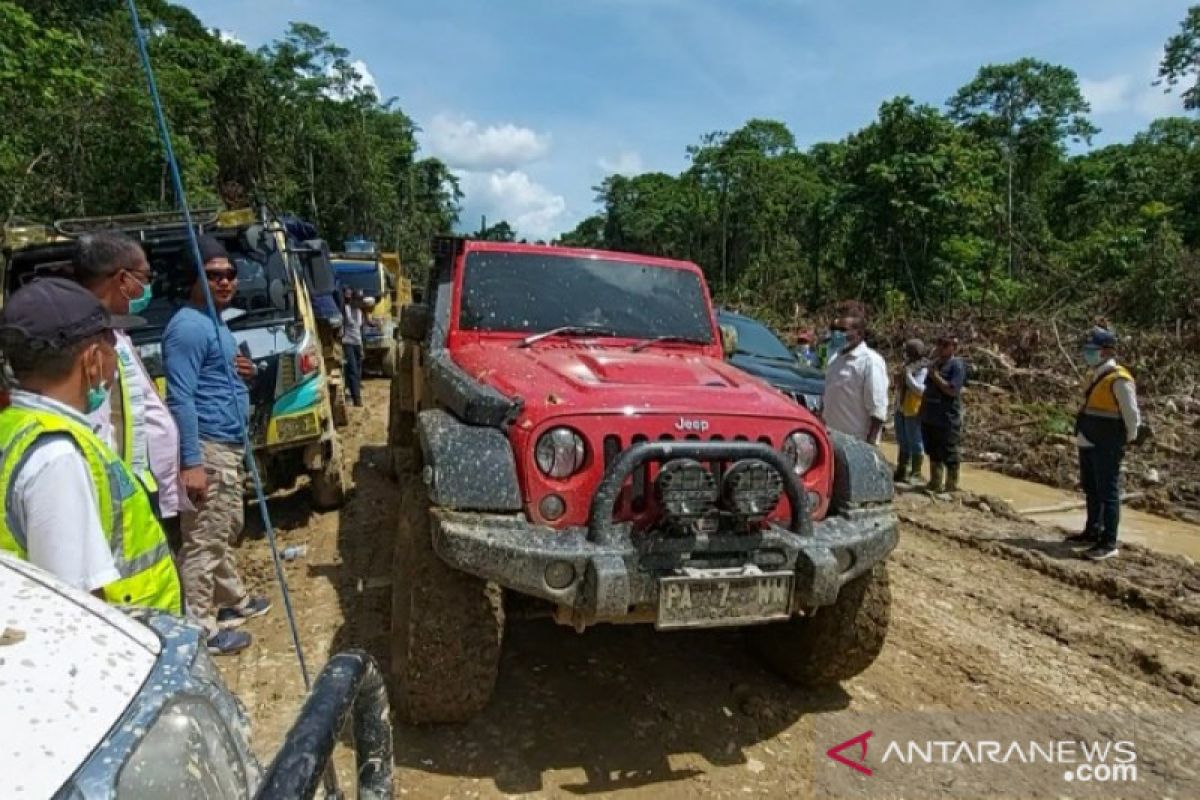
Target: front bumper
[[620, 572]]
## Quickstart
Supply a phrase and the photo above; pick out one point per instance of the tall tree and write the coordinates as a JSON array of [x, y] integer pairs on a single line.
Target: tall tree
[[1029, 107], [1181, 59]]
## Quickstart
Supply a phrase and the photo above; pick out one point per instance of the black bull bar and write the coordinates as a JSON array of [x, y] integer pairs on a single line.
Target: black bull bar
[[600, 518]]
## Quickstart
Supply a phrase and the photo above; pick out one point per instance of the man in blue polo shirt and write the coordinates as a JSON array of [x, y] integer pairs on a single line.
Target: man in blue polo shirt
[[211, 406]]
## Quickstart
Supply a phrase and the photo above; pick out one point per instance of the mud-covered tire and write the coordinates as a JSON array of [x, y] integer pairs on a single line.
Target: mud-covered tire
[[402, 417], [447, 626], [837, 642], [331, 483]]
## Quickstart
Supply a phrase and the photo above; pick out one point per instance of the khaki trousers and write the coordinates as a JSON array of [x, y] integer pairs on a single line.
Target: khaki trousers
[[206, 562]]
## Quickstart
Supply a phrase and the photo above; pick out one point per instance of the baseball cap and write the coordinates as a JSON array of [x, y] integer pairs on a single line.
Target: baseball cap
[[58, 312], [1100, 337]]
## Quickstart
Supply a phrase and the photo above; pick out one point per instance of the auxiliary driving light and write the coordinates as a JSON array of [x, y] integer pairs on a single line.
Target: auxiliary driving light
[[752, 488], [560, 452], [685, 488], [800, 449]]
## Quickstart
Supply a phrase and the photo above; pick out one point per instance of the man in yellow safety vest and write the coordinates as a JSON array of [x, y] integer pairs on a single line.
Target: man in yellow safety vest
[[68, 503], [1108, 421]]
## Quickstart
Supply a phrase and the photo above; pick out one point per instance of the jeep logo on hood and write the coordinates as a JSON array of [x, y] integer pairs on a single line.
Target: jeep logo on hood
[[700, 425]]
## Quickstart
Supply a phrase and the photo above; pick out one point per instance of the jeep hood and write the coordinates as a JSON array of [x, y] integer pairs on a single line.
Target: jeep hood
[[578, 378]]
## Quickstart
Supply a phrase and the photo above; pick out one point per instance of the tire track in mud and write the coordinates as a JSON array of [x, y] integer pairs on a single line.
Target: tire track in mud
[[1165, 585]]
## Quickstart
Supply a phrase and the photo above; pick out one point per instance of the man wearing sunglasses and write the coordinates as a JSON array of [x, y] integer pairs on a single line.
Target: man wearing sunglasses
[[211, 409], [133, 420]]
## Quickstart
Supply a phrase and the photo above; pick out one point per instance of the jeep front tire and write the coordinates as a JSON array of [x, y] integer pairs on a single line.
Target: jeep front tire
[[447, 627], [836, 642]]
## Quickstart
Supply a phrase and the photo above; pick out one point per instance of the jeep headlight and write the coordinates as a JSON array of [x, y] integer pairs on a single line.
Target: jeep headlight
[[800, 449], [560, 452], [188, 752]]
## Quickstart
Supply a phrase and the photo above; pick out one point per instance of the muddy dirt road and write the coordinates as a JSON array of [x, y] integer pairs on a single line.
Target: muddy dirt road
[[990, 614]]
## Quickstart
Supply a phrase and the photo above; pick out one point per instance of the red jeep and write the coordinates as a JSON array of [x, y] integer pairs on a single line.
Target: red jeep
[[568, 436]]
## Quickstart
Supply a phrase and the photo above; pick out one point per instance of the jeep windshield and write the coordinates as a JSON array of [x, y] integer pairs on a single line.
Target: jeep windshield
[[535, 292]]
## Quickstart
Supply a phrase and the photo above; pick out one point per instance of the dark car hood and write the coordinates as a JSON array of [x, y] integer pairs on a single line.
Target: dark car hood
[[779, 374]]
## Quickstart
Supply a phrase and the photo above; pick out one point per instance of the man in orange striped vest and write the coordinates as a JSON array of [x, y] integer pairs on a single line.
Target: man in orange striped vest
[[1108, 421]]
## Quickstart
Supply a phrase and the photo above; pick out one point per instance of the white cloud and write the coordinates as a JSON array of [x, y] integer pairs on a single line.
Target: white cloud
[[626, 162], [1131, 93], [1108, 95], [465, 144], [363, 83], [535, 211], [229, 37]]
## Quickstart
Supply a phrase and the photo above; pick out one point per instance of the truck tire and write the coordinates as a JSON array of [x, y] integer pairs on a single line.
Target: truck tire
[[331, 483], [837, 642], [402, 417], [447, 626]]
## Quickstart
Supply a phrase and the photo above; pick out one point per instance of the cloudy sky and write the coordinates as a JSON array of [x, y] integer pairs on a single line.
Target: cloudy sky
[[533, 102]]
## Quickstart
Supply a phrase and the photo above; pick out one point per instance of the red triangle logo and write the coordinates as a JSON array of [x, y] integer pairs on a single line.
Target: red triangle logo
[[859, 764]]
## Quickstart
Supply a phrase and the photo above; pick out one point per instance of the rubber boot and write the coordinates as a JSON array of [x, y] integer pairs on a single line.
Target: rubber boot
[[901, 473], [952, 477], [937, 472], [918, 465]]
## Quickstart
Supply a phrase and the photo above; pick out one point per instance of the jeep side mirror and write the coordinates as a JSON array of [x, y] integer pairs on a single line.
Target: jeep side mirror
[[729, 340], [414, 322]]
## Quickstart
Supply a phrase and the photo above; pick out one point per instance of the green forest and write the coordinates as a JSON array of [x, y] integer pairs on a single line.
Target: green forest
[[288, 125], [992, 202], [974, 206]]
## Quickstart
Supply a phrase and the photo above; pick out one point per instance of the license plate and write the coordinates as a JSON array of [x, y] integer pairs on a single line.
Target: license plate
[[289, 428], [711, 601]]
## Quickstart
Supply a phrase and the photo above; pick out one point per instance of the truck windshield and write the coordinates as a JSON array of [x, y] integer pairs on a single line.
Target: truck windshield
[[356, 275], [532, 292]]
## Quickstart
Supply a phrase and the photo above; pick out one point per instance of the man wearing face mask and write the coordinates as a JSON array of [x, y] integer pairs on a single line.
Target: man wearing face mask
[[856, 382], [68, 503], [133, 420], [1108, 421], [211, 407]]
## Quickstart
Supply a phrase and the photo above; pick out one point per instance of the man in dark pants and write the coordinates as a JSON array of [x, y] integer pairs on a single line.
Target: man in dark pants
[[941, 415], [1107, 422]]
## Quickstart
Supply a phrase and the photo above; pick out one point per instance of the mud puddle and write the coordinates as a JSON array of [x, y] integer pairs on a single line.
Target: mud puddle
[[1036, 500]]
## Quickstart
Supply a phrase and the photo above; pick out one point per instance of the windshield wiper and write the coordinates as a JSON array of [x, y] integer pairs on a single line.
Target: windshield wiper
[[567, 330], [642, 345]]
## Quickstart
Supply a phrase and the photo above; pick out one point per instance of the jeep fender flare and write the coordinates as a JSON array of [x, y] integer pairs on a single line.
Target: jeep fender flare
[[861, 476], [467, 467]]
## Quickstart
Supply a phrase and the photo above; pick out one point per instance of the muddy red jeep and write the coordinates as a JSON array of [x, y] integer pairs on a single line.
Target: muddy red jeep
[[570, 440]]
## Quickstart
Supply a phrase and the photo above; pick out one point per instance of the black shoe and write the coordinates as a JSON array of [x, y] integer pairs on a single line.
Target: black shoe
[[1101, 552], [1087, 537]]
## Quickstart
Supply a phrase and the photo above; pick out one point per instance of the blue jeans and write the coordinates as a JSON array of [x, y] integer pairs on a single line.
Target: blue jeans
[[908, 436], [1100, 474], [353, 355]]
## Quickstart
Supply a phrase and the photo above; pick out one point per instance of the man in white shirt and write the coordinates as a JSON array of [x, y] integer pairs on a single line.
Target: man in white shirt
[[134, 420], [856, 383]]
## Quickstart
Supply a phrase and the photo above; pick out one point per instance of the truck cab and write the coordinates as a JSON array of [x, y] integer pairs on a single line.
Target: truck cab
[[569, 438], [291, 417], [100, 703], [379, 276]]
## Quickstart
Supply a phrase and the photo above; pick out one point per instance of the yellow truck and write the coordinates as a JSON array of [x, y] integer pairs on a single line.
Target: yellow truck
[[279, 279], [380, 277]]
